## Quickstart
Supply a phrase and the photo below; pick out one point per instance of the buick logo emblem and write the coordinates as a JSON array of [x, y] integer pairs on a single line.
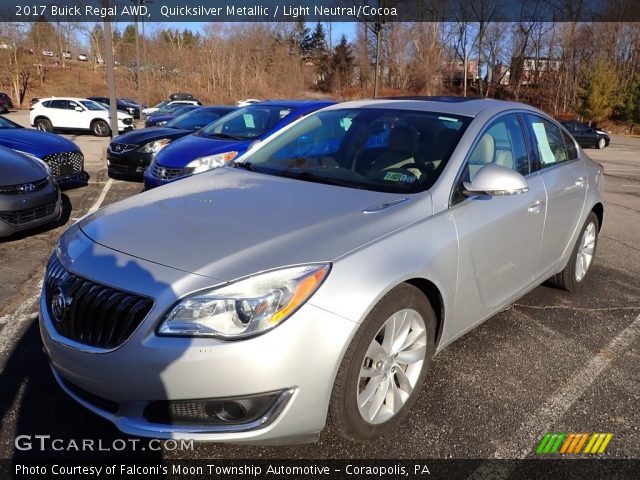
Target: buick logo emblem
[[59, 304], [162, 172]]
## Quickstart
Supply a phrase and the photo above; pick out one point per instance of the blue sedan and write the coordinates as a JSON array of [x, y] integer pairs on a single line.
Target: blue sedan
[[64, 158], [225, 139]]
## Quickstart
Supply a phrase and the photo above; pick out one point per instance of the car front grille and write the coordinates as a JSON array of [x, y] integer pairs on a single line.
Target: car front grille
[[65, 163], [91, 313], [164, 173], [24, 187], [20, 217], [121, 147]]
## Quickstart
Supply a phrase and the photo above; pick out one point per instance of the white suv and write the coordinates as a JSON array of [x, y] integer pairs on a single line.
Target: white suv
[[67, 113]]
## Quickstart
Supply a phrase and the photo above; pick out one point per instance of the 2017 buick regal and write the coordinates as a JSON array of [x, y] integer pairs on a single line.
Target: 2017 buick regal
[[318, 275]]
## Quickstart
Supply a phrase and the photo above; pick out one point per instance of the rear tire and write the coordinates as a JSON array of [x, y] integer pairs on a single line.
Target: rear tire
[[582, 257], [100, 128], [43, 124], [385, 365]]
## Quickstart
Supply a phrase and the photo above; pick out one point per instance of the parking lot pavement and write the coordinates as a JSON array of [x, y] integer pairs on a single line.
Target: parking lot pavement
[[551, 362]]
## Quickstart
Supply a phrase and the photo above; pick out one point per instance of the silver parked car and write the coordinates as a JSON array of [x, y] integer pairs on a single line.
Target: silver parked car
[[320, 274], [29, 194]]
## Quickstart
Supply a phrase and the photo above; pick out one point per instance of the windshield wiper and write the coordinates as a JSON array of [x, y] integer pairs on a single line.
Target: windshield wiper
[[225, 135], [309, 176]]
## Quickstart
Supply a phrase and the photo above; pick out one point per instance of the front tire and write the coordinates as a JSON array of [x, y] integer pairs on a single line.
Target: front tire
[[44, 125], [384, 368], [100, 128], [601, 143], [582, 256]]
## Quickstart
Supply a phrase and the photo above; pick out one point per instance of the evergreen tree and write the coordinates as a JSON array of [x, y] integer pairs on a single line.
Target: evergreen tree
[[117, 36], [342, 63], [629, 111], [319, 56], [597, 96], [42, 34], [129, 35], [301, 37]]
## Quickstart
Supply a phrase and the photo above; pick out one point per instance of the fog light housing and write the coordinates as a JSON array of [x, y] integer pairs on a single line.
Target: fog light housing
[[251, 411]]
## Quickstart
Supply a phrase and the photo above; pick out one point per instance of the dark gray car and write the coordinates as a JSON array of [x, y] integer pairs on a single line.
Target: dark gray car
[[29, 197]]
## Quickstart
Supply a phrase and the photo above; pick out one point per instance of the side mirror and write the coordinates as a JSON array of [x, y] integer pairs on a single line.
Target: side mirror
[[496, 180], [79, 109]]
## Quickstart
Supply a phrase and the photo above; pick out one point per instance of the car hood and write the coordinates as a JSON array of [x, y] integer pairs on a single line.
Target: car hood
[[230, 223], [146, 135], [178, 154], [35, 142], [16, 168]]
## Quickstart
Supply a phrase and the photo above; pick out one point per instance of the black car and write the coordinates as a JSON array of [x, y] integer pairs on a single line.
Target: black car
[[5, 103], [29, 196], [131, 109], [587, 136], [129, 154]]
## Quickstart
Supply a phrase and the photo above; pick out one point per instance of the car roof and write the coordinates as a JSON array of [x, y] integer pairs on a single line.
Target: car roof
[[469, 106], [293, 103], [77, 99], [217, 107]]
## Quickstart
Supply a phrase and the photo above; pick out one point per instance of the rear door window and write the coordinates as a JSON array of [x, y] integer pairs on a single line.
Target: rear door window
[[548, 141]]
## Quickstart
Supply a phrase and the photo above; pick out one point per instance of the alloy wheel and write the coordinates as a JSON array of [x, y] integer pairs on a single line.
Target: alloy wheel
[[391, 366], [585, 251]]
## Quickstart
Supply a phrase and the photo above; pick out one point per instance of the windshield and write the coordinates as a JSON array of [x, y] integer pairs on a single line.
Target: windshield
[[170, 108], [246, 123], [398, 151], [91, 105], [4, 123], [195, 119]]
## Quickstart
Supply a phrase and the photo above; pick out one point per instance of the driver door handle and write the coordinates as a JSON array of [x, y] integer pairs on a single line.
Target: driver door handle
[[577, 184], [536, 207]]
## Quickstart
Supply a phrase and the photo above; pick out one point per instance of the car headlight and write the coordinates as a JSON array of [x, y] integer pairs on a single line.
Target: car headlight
[[155, 146], [244, 308], [210, 162], [161, 123]]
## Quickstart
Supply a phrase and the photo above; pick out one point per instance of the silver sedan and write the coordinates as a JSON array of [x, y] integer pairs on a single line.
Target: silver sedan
[[318, 275]]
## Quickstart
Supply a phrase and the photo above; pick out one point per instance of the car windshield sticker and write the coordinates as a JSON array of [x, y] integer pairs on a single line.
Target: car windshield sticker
[[543, 143], [248, 120], [399, 177]]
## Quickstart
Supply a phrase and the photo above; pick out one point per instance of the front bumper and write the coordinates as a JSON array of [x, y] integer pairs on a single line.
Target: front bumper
[[129, 164], [46, 206], [301, 357], [122, 127], [151, 181]]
